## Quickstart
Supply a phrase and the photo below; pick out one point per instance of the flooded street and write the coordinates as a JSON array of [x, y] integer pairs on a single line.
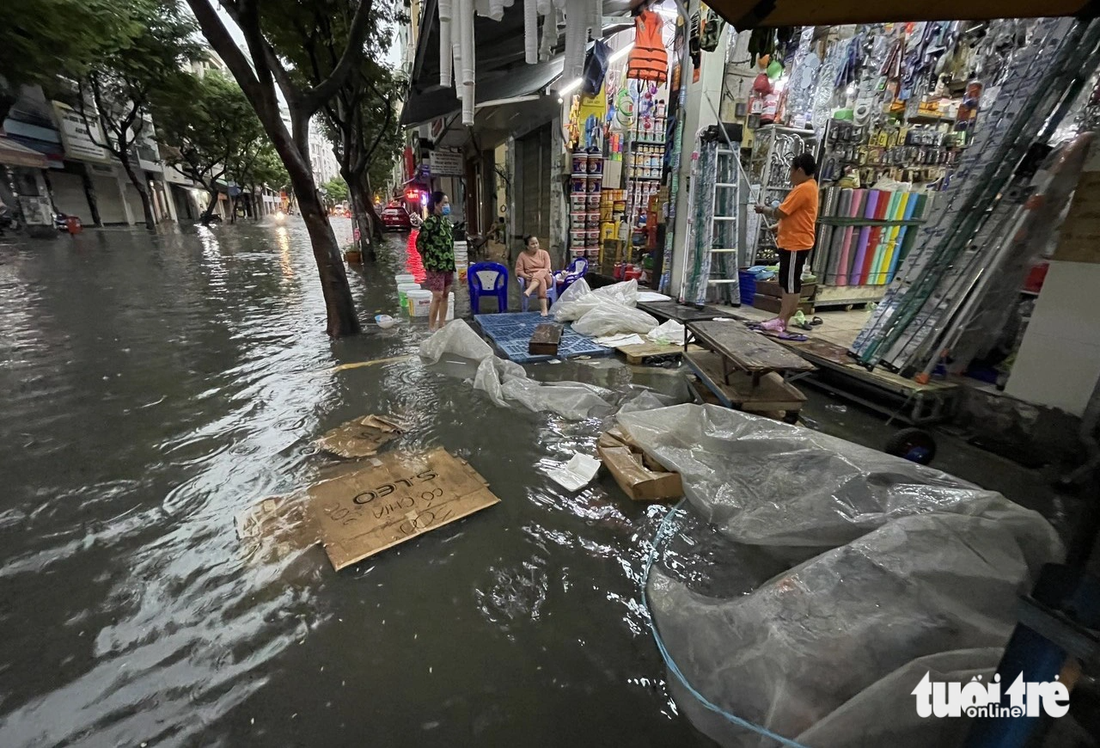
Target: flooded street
[[156, 386]]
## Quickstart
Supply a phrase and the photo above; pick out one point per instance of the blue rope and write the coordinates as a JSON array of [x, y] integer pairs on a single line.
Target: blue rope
[[663, 531]]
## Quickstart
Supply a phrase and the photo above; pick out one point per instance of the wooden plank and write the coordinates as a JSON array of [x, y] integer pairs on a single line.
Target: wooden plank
[[771, 394], [644, 353], [545, 340], [664, 310], [753, 353]]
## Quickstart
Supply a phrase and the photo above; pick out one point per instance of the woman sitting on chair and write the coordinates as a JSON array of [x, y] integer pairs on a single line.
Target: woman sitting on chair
[[533, 266]]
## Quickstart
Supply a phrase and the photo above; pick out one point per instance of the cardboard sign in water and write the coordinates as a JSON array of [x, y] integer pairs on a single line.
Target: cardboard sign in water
[[394, 498], [361, 437]]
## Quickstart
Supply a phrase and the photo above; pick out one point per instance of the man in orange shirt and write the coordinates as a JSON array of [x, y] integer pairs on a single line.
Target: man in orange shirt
[[795, 238]]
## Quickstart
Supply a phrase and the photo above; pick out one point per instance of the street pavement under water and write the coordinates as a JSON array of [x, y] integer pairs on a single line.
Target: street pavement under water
[[156, 385]]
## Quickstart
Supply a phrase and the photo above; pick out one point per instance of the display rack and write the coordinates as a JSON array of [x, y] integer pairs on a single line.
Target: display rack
[[774, 147]]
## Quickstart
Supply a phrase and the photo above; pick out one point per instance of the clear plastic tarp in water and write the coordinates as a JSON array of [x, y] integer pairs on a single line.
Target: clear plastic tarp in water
[[812, 582], [506, 382]]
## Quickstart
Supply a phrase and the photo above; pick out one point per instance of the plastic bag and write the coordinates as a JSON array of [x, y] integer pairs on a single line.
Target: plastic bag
[[811, 577], [671, 332], [608, 318], [579, 298]]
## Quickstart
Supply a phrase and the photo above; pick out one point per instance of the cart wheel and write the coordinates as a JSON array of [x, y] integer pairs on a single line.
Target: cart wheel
[[916, 445]]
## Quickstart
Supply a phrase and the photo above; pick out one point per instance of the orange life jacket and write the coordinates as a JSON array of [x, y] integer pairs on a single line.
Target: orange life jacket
[[648, 60]]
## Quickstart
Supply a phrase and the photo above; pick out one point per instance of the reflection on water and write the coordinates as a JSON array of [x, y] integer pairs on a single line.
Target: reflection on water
[[158, 385]]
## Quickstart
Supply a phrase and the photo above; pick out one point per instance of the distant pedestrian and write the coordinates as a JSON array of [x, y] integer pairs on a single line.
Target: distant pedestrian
[[797, 227], [533, 266], [436, 245]]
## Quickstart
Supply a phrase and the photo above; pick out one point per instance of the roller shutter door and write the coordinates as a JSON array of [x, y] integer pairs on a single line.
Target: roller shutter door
[[69, 197]]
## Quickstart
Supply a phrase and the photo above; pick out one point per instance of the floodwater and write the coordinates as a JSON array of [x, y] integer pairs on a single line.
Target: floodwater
[[156, 386]]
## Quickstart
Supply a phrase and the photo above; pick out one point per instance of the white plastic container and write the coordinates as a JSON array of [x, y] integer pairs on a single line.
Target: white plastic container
[[403, 290], [420, 301], [450, 307], [403, 278]]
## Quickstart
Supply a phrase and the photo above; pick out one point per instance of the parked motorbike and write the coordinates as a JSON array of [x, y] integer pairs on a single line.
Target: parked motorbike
[[8, 220]]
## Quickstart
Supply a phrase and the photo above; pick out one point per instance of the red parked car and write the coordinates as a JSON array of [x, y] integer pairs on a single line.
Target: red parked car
[[396, 218]]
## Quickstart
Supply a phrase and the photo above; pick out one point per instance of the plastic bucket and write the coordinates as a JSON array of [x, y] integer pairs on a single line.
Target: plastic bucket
[[403, 278], [403, 290], [747, 282], [420, 301]]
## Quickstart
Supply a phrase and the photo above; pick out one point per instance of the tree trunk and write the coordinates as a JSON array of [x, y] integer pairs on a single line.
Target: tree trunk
[[90, 196], [375, 219], [342, 319], [206, 214], [142, 188], [361, 220]]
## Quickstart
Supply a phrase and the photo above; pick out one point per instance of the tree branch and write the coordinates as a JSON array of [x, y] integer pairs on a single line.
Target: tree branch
[[327, 88]]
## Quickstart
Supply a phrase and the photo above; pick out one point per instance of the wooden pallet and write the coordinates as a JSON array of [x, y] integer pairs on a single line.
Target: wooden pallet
[[651, 353]]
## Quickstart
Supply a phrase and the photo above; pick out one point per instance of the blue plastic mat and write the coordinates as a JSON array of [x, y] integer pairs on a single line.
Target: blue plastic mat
[[511, 332]]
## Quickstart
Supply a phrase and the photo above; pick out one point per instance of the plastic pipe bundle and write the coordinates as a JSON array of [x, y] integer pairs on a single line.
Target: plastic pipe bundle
[[531, 31], [446, 53]]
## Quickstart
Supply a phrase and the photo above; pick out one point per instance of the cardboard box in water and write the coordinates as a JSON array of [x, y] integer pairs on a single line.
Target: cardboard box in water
[[361, 437], [393, 499], [639, 480]]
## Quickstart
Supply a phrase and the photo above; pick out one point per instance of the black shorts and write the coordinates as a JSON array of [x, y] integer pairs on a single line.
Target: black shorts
[[790, 269]]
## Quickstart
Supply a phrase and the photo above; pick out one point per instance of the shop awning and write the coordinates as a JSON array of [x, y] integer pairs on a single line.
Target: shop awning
[[747, 14], [14, 154]]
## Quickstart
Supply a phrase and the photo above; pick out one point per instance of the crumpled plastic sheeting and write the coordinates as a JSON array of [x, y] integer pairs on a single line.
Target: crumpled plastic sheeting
[[763, 482], [886, 562], [610, 317], [605, 311], [579, 298], [506, 382]]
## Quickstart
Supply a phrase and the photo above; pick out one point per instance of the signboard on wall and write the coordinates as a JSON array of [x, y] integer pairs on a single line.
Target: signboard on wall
[[447, 162], [145, 146], [79, 145]]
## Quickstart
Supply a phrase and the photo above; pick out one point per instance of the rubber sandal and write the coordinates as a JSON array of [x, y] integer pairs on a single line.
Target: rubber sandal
[[816, 321]]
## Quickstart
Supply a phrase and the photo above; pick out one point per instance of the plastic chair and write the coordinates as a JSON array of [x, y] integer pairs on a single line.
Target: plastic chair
[[487, 279], [577, 269], [551, 293]]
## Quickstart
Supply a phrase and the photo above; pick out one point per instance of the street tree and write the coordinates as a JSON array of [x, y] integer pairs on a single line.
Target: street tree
[[336, 190], [115, 88], [208, 131], [41, 44], [267, 70], [361, 122]]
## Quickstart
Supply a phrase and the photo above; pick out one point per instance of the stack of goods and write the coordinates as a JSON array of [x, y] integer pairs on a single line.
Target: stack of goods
[[923, 154], [644, 173], [584, 204], [865, 234], [612, 209], [462, 261]]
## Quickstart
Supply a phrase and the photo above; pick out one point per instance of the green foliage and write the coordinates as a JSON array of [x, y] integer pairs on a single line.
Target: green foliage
[[208, 129], [268, 168], [43, 39], [117, 85], [336, 190]]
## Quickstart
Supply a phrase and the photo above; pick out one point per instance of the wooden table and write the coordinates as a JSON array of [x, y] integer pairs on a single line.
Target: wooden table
[[741, 349], [666, 310]]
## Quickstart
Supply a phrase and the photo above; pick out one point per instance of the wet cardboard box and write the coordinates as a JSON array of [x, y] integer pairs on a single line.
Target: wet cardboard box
[[640, 477], [361, 437]]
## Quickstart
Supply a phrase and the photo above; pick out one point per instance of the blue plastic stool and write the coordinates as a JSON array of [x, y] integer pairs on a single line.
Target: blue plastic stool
[[551, 293], [577, 268], [477, 284]]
